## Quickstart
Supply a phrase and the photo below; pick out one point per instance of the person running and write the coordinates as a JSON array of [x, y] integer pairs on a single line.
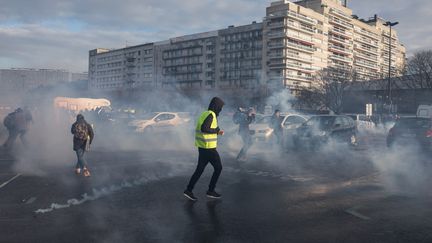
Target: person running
[[206, 134], [246, 118], [83, 137]]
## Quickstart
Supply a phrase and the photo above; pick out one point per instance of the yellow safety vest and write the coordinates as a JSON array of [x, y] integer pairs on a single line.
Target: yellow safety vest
[[206, 140]]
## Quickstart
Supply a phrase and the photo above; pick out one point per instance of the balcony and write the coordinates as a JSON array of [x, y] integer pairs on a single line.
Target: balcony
[[298, 67], [301, 17], [340, 58], [340, 50], [343, 33], [276, 46], [366, 41], [339, 66], [299, 77], [299, 58], [368, 50], [275, 25], [366, 57], [338, 40], [366, 64], [340, 14], [301, 28], [276, 35], [299, 47], [340, 22], [370, 34], [307, 40]]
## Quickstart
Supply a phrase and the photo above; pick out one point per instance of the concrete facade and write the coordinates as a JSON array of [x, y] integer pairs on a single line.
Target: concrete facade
[[294, 41]]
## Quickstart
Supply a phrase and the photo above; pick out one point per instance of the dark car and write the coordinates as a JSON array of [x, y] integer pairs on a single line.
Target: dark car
[[409, 130], [319, 130]]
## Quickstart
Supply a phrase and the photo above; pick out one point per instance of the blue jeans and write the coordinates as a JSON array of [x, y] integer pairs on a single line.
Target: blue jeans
[[81, 161]]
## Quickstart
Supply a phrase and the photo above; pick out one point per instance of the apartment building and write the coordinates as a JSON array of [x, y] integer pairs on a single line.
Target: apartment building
[[295, 46], [24, 79], [357, 43], [120, 69], [294, 41], [240, 57], [187, 62]]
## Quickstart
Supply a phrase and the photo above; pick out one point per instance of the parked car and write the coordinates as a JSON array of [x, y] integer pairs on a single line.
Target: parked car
[[320, 129], [158, 121], [408, 130], [262, 131], [424, 111], [362, 121]]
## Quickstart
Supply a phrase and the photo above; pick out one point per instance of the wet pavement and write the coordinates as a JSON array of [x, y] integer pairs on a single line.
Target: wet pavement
[[136, 196]]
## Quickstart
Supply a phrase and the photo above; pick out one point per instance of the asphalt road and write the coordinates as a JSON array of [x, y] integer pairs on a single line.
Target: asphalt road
[[334, 195]]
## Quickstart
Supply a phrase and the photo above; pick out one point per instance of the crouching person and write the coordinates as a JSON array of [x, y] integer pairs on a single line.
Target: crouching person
[[82, 138]]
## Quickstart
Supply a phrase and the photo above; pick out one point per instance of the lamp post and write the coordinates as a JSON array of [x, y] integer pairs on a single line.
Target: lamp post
[[390, 101]]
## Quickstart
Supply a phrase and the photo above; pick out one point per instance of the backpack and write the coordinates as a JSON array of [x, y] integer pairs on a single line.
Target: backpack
[[9, 121], [81, 131]]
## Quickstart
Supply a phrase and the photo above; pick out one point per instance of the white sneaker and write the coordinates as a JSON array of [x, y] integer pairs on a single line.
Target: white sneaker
[[78, 171]]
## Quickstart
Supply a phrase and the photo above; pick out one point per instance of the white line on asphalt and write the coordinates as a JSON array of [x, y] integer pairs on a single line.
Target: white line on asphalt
[[9, 181], [353, 212], [30, 200]]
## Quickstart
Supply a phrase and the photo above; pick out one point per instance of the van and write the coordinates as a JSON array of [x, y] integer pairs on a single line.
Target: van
[[424, 111]]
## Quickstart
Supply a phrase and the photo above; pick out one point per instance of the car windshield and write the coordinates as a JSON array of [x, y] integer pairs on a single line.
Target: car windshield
[[148, 116], [263, 120], [320, 121], [413, 123]]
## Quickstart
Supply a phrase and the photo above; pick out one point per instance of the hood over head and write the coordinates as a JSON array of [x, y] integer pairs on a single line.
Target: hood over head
[[79, 118], [216, 105]]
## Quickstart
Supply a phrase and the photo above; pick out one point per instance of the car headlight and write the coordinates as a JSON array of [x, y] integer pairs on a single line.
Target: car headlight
[[268, 132]]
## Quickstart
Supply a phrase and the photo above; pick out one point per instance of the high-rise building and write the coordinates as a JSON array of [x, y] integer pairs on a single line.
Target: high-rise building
[[294, 41]]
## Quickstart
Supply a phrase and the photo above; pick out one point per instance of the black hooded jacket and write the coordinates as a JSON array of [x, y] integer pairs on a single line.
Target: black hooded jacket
[[215, 105], [78, 143]]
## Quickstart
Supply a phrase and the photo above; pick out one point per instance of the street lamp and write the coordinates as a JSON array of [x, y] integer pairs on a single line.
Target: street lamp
[[390, 25]]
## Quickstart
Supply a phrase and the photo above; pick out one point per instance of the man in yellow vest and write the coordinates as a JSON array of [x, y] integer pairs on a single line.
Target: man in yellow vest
[[206, 134]]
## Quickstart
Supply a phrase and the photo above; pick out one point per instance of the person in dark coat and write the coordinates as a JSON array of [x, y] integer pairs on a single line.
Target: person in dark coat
[[83, 137], [206, 134], [276, 125], [17, 124], [246, 118]]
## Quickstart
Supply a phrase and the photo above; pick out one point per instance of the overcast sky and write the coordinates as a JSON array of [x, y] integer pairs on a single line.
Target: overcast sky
[[59, 33]]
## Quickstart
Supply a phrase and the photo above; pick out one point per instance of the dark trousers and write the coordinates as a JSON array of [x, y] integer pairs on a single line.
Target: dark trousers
[[247, 143], [13, 134], [205, 156], [81, 162]]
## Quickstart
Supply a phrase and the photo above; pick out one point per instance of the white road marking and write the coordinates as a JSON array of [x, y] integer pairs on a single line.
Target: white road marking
[[30, 200], [9, 181], [353, 212]]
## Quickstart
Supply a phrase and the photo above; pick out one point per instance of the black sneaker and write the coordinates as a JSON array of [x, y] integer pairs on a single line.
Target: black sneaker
[[213, 194], [189, 195]]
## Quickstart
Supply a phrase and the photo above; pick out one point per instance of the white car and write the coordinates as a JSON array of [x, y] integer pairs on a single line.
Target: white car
[[263, 132], [159, 121]]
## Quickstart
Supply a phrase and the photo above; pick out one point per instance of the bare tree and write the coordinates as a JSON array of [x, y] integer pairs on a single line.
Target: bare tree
[[330, 85], [419, 70]]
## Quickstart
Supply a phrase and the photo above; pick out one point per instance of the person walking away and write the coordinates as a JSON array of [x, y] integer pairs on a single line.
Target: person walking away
[[17, 124], [206, 135], [82, 138], [276, 125], [245, 133]]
